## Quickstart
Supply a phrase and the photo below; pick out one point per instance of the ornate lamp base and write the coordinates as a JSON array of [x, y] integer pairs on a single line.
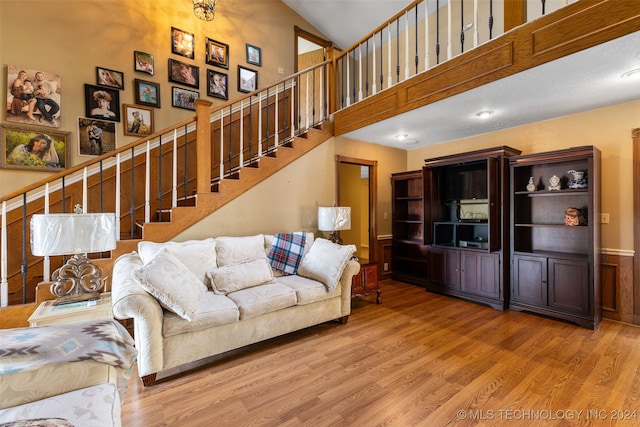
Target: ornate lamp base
[[77, 280]]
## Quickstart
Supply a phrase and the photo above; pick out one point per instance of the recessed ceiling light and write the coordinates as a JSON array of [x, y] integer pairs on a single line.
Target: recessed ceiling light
[[631, 73], [402, 136], [485, 114]]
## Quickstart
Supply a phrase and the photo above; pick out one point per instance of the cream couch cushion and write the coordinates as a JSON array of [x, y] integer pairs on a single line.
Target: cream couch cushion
[[308, 290], [263, 299], [325, 262], [235, 277], [213, 310], [171, 283], [234, 250], [199, 256]]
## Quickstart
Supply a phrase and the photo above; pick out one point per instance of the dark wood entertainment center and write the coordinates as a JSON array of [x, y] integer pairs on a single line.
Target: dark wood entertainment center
[[466, 226]]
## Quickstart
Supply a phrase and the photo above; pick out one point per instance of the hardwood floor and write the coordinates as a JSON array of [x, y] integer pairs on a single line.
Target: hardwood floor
[[418, 359]]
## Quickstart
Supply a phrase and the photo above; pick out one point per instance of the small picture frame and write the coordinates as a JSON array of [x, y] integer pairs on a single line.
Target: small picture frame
[[143, 62], [217, 84], [147, 93], [182, 43], [247, 79], [109, 78], [254, 55], [95, 136], [184, 98], [183, 73], [138, 120], [102, 103], [217, 53], [34, 149]]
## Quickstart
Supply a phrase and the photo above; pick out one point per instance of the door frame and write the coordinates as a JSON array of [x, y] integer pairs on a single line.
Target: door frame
[[373, 197], [299, 32]]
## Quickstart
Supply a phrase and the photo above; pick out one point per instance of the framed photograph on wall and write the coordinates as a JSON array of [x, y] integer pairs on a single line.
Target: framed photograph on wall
[[102, 103], [109, 78], [138, 120], [254, 55], [143, 62], [184, 98], [182, 43], [217, 53], [217, 84], [33, 97], [34, 149], [147, 93], [95, 136], [183, 73], [247, 79]]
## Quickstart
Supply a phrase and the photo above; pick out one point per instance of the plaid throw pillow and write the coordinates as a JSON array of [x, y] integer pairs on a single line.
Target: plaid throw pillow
[[286, 251]]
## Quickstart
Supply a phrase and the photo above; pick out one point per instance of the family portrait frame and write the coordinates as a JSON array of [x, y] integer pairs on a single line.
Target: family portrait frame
[[182, 43], [95, 136], [254, 55], [138, 120], [34, 149], [217, 84], [43, 107], [109, 78], [143, 62], [247, 79], [147, 93], [217, 53], [102, 102], [183, 73], [184, 98]]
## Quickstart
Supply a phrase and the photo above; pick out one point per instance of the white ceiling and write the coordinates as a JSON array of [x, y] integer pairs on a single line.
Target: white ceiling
[[583, 81]]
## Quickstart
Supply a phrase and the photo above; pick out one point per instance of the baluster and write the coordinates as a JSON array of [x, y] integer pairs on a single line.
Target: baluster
[[321, 87], [476, 35], [293, 112], [437, 31], [490, 19], [426, 36], [398, 50], [461, 25], [306, 101], [406, 45], [416, 37], [147, 185], [251, 129], [543, 6], [101, 185], [174, 165], [267, 120], [449, 32], [313, 97], [4, 284], [132, 208], [159, 209], [117, 201], [230, 138], [185, 174], [389, 75], [221, 144], [260, 126], [84, 190], [46, 262], [381, 55], [373, 73], [348, 76], [276, 137], [359, 72], [366, 73], [241, 154]]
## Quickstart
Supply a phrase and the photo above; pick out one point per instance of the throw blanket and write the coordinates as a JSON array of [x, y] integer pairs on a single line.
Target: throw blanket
[[105, 341]]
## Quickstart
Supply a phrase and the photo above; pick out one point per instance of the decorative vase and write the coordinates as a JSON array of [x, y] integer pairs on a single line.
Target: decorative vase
[[531, 186]]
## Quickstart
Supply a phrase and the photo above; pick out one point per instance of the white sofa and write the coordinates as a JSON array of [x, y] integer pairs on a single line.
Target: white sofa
[[200, 298]]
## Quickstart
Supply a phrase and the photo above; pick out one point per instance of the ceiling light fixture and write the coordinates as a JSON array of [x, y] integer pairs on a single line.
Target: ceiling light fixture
[[402, 136], [205, 9], [631, 73], [485, 114]]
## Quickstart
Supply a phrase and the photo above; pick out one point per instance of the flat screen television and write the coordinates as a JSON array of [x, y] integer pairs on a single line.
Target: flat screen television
[[468, 181]]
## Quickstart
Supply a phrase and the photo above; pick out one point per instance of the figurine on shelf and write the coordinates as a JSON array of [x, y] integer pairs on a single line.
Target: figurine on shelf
[[574, 216], [554, 183], [531, 186], [579, 179]]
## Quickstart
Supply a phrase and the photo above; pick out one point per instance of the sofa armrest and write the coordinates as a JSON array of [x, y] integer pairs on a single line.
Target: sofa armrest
[[132, 301], [352, 268]]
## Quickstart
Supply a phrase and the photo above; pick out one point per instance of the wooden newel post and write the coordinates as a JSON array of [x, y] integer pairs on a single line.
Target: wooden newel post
[[203, 146]]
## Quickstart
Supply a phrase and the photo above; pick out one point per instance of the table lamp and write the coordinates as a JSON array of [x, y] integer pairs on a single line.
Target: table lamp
[[334, 219], [77, 234]]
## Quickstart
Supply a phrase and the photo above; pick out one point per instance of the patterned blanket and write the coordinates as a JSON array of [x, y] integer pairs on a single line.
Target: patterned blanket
[[105, 341]]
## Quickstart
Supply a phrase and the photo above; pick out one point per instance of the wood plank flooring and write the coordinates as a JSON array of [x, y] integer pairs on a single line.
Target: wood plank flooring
[[418, 359]]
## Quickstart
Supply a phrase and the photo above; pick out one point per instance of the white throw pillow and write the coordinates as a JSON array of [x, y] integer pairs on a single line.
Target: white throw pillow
[[199, 256], [231, 278], [171, 283], [235, 250], [325, 262]]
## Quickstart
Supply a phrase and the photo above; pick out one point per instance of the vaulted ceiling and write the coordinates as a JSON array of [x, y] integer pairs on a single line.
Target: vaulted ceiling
[[583, 81]]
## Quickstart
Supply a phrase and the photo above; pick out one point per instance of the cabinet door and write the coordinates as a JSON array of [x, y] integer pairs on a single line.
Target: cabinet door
[[357, 283], [568, 285], [529, 284], [480, 274], [451, 269]]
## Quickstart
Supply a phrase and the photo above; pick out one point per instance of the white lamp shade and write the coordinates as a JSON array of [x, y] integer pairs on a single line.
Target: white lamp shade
[[64, 234], [334, 218]]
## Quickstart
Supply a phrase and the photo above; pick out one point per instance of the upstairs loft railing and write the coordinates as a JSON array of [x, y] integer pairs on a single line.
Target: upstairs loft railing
[[143, 181], [408, 44]]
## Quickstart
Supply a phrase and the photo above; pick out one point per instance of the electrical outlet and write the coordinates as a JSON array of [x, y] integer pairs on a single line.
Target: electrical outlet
[[604, 218], [385, 215], [281, 70], [385, 267]]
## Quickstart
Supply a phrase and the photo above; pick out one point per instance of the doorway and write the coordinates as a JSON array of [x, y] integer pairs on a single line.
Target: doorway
[[357, 180], [309, 49]]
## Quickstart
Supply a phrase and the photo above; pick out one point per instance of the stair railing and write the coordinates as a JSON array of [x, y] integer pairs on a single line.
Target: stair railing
[[142, 181]]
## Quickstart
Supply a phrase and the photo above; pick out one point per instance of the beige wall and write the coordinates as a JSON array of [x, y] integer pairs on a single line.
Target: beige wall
[[608, 128], [72, 37]]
